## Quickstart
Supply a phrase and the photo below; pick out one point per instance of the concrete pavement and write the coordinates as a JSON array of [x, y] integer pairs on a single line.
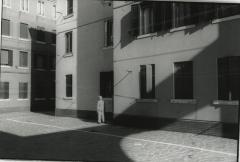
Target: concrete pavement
[[44, 137]]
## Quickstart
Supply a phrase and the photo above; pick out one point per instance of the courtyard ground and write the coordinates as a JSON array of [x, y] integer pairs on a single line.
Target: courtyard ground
[[34, 136]]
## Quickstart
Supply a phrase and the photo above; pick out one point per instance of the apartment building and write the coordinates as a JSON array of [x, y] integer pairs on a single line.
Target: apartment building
[[176, 60], [18, 17], [84, 57]]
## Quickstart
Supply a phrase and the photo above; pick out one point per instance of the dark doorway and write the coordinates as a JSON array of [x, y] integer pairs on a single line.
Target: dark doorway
[[43, 71], [106, 91]]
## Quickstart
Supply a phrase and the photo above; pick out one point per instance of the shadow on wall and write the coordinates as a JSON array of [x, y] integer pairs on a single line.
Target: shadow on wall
[[227, 43], [80, 145]]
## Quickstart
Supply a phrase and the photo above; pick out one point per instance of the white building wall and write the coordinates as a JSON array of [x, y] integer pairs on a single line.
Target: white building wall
[[202, 44]]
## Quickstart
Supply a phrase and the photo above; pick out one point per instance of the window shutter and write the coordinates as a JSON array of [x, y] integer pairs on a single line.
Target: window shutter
[[5, 27], [4, 57], [10, 58], [135, 20], [143, 78], [159, 15]]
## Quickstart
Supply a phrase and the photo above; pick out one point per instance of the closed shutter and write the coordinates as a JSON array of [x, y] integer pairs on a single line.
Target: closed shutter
[[23, 30], [135, 20], [10, 58], [4, 90], [4, 57], [5, 27], [23, 90], [23, 61]]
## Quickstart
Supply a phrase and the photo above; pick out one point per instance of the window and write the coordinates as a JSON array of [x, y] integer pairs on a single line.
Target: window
[[225, 10], [108, 33], [6, 57], [69, 7], [4, 90], [23, 90], [149, 17], [40, 61], [68, 38], [23, 30], [146, 18], [147, 81], [23, 59], [40, 8], [54, 11], [229, 78], [7, 3], [68, 85], [5, 27], [106, 84], [41, 35], [24, 5], [183, 80]]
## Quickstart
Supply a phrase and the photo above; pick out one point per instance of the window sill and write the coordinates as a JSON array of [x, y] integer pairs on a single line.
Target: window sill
[[6, 66], [24, 11], [67, 98], [68, 16], [107, 99], [147, 100], [40, 42], [39, 99], [9, 7], [7, 36], [4, 100], [22, 99], [182, 28], [226, 19], [68, 55], [23, 68], [107, 47], [147, 35], [183, 101], [24, 39], [225, 102]]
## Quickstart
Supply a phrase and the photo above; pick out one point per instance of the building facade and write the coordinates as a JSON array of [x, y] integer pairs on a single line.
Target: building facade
[[84, 57], [18, 17], [176, 60]]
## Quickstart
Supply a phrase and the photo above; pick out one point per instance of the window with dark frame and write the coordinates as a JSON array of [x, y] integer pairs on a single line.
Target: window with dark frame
[[4, 90], [23, 59], [108, 33], [149, 17], [106, 84], [147, 81], [229, 78], [68, 37], [6, 27], [183, 80], [23, 90], [69, 7], [23, 30], [69, 85], [6, 57]]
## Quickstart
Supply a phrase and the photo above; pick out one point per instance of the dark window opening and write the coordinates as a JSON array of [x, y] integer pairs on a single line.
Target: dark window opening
[[4, 90], [229, 78], [147, 81], [106, 84], [68, 85], [183, 80], [69, 7]]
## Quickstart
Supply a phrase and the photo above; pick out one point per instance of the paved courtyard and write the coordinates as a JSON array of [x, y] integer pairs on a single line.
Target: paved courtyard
[[44, 137]]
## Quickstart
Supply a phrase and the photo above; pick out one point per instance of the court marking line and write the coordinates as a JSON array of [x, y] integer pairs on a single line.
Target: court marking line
[[129, 138]]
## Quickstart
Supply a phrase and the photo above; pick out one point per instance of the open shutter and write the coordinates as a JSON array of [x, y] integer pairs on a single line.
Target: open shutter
[[135, 20], [143, 81]]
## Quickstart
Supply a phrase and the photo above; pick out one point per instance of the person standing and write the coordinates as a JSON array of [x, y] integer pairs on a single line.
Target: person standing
[[100, 110]]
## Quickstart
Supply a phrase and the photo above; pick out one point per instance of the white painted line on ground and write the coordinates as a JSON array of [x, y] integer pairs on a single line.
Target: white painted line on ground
[[129, 138]]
